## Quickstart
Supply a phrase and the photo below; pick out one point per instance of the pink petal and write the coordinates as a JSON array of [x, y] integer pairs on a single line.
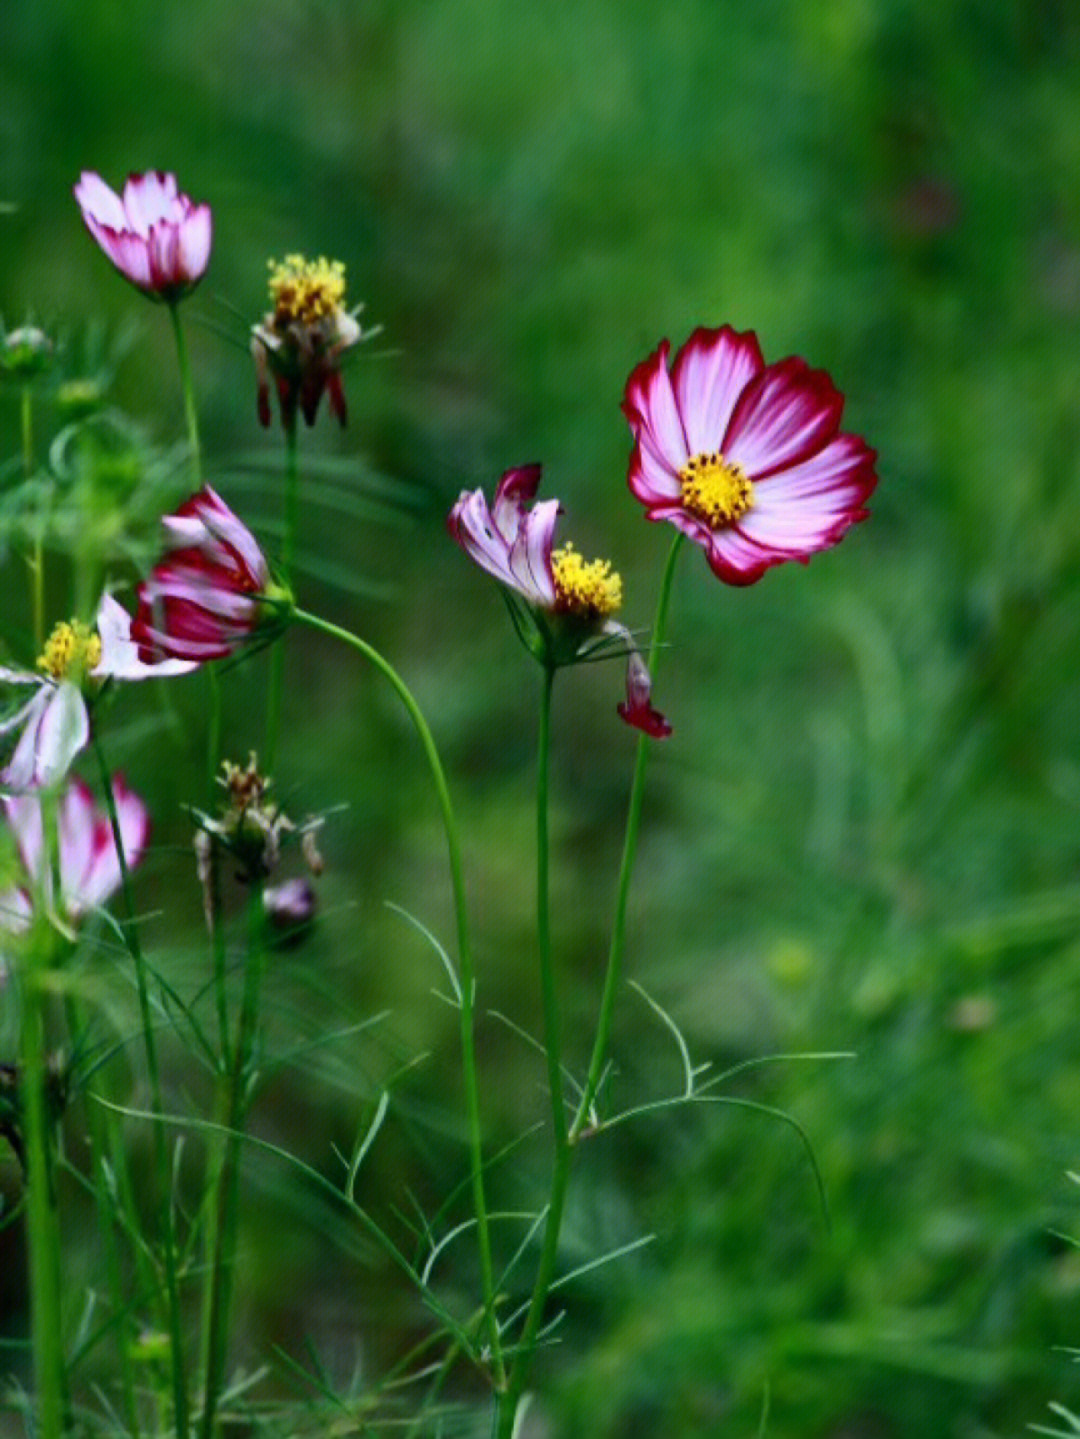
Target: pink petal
[[149, 199], [196, 237], [649, 478], [784, 415], [810, 506], [710, 373], [737, 560], [119, 652], [98, 202], [649, 405], [637, 709], [514, 492], [530, 554], [95, 872]]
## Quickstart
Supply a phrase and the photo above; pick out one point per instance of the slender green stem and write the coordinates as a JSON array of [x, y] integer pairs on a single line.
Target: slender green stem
[[560, 1174], [288, 552], [626, 869], [191, 414], [224, 1203], [42, 1231], [161, 1153], [467, 980], [26, 416]]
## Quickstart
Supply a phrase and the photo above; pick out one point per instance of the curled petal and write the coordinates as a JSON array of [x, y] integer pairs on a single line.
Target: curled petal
[[119, 652], [637, 709], [56, 728]]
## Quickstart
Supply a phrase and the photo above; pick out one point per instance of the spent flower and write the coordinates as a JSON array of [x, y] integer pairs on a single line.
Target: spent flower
[[211, 591], [568, 601], [156, 237], [301, 340], [747, 459]]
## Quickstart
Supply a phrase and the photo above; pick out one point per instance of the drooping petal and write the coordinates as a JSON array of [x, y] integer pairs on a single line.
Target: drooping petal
[[637, 709], [119, 652], [787, 413], [710, 373], [56, 729]]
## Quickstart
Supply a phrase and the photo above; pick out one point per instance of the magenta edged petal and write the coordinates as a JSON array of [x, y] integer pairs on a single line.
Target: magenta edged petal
[[530, 554], [784, 415], [710, 373], [649, 405], [736, 560], [150, 199], [650, 480]]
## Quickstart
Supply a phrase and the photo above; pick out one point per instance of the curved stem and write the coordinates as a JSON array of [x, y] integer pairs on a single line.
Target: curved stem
[[467, 979], [161, 1153], [288, 550], [191, 416], [560, 1174], [626, 869]]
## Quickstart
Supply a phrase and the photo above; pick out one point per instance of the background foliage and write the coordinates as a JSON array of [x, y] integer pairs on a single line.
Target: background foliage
[[864, 835]]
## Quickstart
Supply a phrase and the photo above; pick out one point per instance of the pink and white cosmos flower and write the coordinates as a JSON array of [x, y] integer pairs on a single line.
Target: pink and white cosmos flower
[[571, 601], [156, 237], [745, 458], [54, 723], [89, 865], [204, 599]]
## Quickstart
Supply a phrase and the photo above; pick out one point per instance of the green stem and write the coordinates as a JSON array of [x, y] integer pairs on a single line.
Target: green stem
[[26, 416], [560, 1174], [224, 1203], [161, 1153], [191, 415], [466, 979], [42, 1231], [288, 551], [626, 869]]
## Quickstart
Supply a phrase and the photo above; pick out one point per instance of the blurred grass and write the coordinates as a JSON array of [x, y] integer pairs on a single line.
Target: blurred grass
[[864, 834]]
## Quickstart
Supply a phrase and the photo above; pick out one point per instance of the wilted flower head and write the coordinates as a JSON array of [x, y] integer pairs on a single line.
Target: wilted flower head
[[301, 340], [208, 595], [156, 237], [568, 601], [53, 723], [89, 865], [744, 457]]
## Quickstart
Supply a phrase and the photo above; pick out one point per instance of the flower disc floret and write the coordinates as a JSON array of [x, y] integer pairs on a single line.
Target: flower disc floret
[[747, 459], [590, 589], [71, 651], [306, 290]]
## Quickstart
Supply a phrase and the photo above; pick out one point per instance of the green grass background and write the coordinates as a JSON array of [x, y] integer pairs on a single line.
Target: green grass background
[[865, 833]]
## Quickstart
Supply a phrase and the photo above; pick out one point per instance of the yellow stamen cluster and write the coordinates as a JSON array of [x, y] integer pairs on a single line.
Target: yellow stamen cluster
[[306, 290], [715, 490], [585, 588], [71, 648]]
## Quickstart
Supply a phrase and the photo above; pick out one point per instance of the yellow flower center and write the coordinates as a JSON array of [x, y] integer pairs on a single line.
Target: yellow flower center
[[715, 490], [306, 290], [72, 647], [584, 588]]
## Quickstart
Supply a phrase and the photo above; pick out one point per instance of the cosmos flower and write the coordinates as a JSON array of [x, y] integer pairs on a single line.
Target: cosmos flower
[[745, 458], [205, 598], [89, 866], [53, 723], [156, 237], [568, 601], [301, 340]]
